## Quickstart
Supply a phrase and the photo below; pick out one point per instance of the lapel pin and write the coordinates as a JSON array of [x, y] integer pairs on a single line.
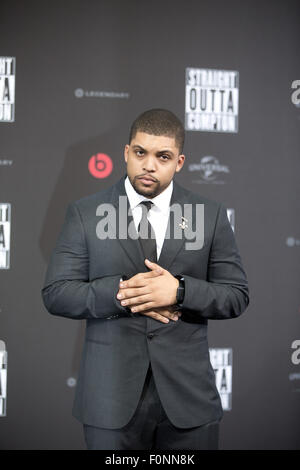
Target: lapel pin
[[183, 224]]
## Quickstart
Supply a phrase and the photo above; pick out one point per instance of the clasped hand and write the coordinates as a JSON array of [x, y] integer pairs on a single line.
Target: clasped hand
[[151, 294]]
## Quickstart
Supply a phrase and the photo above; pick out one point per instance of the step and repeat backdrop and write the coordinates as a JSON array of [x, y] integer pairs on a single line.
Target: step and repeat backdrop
[[73, 77]]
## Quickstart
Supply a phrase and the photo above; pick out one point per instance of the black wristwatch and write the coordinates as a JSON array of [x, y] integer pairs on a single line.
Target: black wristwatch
[[180, 291]]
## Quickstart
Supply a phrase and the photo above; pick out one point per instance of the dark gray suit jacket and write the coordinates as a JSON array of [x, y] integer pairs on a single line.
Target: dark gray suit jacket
[[82, 281]]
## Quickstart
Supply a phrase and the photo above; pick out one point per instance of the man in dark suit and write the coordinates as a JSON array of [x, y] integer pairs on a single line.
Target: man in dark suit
[[145, 379]]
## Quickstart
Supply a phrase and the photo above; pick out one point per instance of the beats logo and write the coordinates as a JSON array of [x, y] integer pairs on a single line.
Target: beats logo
[[100, 165]]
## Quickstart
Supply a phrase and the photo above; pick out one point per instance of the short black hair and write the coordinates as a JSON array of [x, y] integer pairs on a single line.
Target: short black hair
[[159, 122]]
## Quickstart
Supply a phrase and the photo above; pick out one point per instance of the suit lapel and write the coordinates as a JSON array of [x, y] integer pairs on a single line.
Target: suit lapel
[[175, 236], [171, 246]]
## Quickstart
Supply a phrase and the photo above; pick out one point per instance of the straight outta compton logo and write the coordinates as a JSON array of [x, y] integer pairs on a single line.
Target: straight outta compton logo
[[4, 235], [211, 100], [221, 361], [3, 378], [7, 88]]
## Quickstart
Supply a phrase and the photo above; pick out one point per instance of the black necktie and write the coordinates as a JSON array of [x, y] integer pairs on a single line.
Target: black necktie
[[148, 243]]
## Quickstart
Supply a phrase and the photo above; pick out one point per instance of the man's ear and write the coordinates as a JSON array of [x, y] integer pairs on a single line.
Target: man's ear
[[126, 149], [180, 162]]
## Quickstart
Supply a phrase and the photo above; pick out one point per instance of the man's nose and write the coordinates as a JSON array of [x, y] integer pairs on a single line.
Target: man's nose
[[150, 164]]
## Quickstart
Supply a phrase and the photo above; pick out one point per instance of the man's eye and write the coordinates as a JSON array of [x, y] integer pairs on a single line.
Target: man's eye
[[139, 153], [165, 157]]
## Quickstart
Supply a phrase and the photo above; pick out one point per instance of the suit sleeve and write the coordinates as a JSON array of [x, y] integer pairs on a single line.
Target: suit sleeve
[[67, 291], [225, 293]]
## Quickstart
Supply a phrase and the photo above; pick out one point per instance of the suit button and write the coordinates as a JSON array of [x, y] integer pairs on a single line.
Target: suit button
[[150, 335]]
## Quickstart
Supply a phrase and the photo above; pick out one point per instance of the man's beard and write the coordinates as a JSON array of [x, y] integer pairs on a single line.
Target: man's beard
[[146, 192]]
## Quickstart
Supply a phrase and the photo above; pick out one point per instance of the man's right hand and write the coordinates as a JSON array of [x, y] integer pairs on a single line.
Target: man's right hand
[[162, 314]]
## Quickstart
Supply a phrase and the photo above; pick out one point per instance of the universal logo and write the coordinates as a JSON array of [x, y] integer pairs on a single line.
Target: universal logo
[[80, 93], [209, 170]]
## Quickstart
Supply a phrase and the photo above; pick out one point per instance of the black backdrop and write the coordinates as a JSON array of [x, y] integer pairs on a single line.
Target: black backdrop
[[84, 70]]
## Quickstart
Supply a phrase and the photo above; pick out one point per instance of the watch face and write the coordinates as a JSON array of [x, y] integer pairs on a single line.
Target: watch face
[[180, 292]]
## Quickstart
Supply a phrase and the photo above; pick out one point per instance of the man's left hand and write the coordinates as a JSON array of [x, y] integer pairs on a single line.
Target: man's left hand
[[142, 293]]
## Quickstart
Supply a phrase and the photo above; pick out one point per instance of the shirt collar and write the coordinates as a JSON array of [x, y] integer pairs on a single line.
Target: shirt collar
[[162, 201]]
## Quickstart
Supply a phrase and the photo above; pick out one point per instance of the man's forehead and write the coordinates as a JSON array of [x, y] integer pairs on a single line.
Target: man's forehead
[[143, 139]]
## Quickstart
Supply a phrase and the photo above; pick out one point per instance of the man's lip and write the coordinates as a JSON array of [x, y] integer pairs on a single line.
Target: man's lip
[[146, 178]]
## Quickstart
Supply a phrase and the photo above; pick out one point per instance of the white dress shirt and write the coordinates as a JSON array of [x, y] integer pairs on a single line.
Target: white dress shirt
[[158, 215]]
